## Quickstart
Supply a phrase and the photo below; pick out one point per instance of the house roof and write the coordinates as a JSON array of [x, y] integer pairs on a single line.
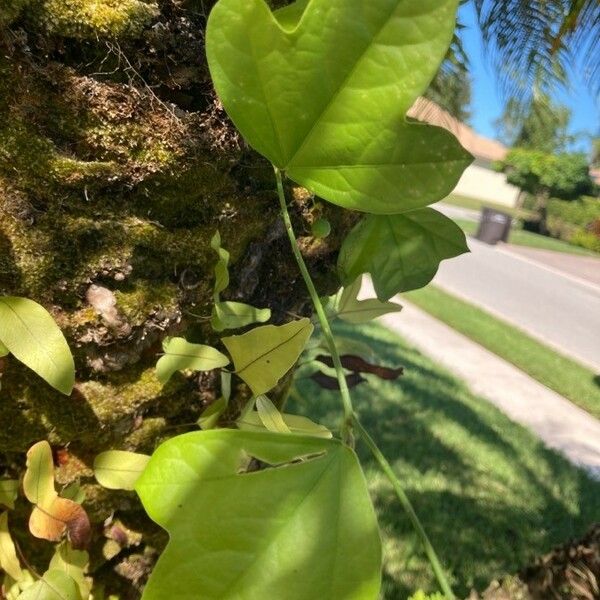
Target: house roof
[[478, 145]]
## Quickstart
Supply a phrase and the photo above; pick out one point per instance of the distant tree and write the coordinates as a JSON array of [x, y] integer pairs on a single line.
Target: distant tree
[[595, 162], [451, 88], [543, 126], [544, 176]]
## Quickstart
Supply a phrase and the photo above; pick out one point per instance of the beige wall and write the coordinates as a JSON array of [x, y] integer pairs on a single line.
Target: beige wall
[[484, 184]]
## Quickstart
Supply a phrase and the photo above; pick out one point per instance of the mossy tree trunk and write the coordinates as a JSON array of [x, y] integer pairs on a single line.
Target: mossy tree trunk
[[117, 165]]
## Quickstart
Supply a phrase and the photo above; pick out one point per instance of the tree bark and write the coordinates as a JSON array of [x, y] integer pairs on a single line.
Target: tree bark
[[117, 165]]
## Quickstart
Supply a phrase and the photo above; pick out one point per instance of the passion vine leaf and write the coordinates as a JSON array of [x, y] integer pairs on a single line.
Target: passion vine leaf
[[251, 421], [52, 516], [73, 563], [265, 354], [119, 470], [4, 351], [211, 415], [401, 252], [179, 355], [230, 315], [9, 488], [30, 334], [349, 308], [309, 513], [9, 562], [54, 585], [323, 93], [358, 364], [270, 416], [235, 315]]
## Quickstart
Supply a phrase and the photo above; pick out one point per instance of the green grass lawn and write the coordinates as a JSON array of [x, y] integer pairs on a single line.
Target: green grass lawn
[[489, 494], [519, 237], [561, 374]]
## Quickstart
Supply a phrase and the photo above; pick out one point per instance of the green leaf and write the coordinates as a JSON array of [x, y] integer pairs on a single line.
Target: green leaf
[[251, 421], [55, 585], [401, 252], [234, 315], [221, 268], [265, 354], [181, 355], [4, 351], [30, 334], [52, 516], [352, 310], [323, 95], [73, 563], [310, 516], [210, 416], [9, 562], [270, 416], [9, 488], [119, 470]]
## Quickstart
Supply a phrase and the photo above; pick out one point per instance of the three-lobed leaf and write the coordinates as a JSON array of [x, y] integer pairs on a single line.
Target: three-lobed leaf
[[235, 315], [30, 334], [401, 252], [265, 354], [54, 585], [180, 355], [322, 90], [349, 308], [119, 470], [302, 528], [52, 516]]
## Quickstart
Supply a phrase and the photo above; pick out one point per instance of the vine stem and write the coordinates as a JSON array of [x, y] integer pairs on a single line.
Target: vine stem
[[323, 320], [408, 507], [350, 417]]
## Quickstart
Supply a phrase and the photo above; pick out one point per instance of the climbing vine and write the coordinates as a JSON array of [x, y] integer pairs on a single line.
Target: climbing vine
[[260, 503]]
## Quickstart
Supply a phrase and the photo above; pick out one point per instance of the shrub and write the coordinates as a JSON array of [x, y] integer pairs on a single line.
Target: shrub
[[577, 222]]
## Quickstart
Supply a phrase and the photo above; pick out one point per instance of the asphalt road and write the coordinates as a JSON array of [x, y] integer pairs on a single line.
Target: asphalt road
[[553, 307]]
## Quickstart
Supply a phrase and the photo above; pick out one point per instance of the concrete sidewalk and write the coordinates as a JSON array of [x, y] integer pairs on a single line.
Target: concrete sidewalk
[[559, 423]]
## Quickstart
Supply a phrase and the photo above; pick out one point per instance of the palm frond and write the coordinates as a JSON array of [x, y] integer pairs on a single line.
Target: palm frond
[[537, 43]]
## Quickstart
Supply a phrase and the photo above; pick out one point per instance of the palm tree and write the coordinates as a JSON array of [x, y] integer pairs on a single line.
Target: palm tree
[[535, 46]]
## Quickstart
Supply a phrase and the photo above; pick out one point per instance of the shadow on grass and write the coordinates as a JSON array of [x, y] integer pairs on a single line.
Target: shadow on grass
[[489, 494]]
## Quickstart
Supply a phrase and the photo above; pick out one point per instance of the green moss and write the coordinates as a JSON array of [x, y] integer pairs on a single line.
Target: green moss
[[98, 414], [89, 19], [11, 9], [142, 298]]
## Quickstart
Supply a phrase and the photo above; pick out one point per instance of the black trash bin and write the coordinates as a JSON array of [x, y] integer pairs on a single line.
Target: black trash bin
[[494, 226]]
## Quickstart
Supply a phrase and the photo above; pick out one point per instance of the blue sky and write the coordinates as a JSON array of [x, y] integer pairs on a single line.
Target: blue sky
[[487, 103]]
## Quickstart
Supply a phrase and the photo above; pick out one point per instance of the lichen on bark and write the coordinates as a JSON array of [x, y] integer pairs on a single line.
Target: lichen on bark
[[117, 165]]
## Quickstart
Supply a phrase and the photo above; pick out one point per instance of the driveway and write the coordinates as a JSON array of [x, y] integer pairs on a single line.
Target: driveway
[[550, 305]]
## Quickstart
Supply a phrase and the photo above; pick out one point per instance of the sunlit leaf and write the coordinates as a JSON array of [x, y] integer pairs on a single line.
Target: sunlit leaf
[[270, 416], [295, 423], [9, 488], [179, 355], [30, 334], [73, 563], [9, 562], [119, 470], [234, 315], [4, 351], [211, 415], [401, 252], [54, 585], [352, 310], [52, 516], [324, 96], [265, 354], [310, 515]]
